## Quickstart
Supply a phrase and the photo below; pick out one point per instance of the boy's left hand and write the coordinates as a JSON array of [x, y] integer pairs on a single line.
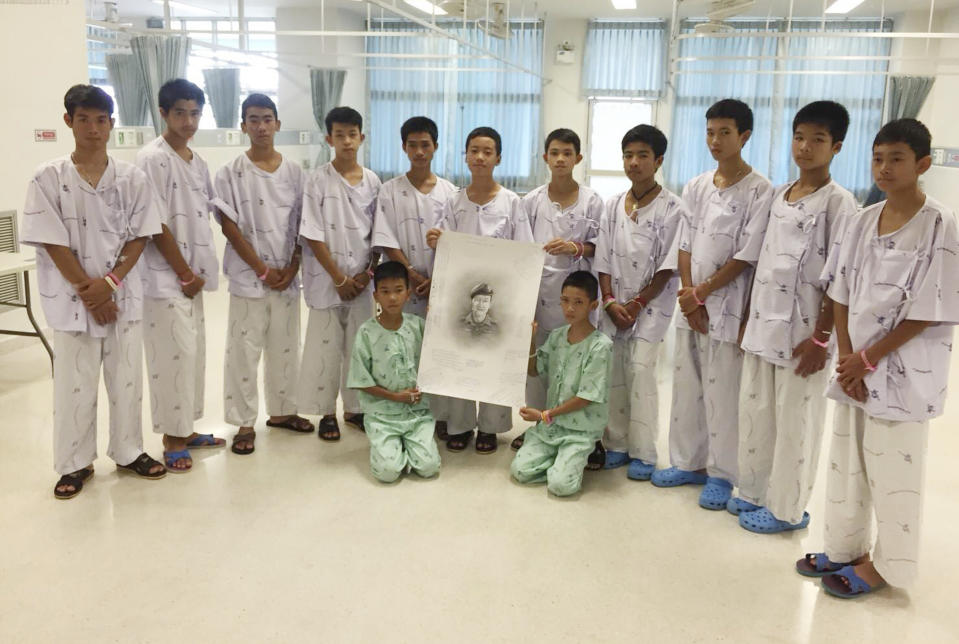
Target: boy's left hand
[[687, 301], [423, 290], [94, 291], [812, 358], [530, 414], [850, 369], [362, 280], [558, 246], [633, 308], [286, 276]]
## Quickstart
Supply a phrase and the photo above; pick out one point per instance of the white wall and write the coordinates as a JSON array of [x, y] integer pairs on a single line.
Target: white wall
[[563, 105], [295, 101]]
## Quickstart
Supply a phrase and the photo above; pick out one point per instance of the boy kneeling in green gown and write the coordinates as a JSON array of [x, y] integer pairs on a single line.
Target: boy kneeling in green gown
[[383, 367], [576, 361]]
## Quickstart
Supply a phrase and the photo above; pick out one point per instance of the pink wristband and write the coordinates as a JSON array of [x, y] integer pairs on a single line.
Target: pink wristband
[[546, 417], [824, 345], [262, 277], [865, 361], [116, 280], [696, 297]]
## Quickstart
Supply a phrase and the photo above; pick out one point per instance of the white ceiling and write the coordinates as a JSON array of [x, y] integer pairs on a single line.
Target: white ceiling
[[559, 9]]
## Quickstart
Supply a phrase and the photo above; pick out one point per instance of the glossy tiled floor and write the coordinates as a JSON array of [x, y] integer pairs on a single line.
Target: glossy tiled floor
[[299, 543]]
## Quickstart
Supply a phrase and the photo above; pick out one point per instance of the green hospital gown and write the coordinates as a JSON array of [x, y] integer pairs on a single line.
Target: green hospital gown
[[557, 453], [400, 434]]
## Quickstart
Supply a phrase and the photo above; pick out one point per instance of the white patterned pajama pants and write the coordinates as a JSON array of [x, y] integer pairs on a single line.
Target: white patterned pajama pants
[[76, 383], [704, 425], [633, 400], [267, 326], [174, 339], [876, 467]]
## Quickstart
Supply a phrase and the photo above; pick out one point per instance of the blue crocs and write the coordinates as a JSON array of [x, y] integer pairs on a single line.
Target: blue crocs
[[673, 476], [763, 522], [738, 505], [716, 494], [640, 470], [846, 584], [615, 459]]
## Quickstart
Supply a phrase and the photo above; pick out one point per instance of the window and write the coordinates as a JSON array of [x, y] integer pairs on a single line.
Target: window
[[609, 120], [483, 94], [751, 70], [640, 42]]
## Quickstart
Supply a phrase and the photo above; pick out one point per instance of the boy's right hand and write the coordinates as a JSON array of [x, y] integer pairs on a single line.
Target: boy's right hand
[[530, 414], [106, 313], [699, 320], [194, 287], [348, 289], [423, 290], [620, 316], [433, 236], [687, 300], [408, 396]]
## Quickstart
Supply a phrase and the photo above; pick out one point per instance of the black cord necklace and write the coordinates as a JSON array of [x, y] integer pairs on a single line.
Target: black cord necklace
[[640, 197]]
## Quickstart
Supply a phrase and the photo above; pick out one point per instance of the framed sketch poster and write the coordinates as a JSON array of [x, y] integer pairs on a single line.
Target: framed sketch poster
[[482, 301]]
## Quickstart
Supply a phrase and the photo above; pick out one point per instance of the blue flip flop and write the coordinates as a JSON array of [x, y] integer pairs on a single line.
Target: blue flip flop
[[737, 505], [170, 458], [857, 586], [763, 522], [818, 568], [615, 459], [673, 476], [201, 441], [715, 494], [640, 470]]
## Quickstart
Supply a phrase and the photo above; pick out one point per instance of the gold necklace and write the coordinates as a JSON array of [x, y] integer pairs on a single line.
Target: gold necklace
[[83, 175]]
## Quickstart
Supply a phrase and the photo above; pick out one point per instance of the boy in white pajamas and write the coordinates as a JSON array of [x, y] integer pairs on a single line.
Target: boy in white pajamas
[[781, 406], [383, 367], [575, 361], [89, 218], [564, 216], [178, 265], [896, 303], [258, 204], [728, 209], [485, 208], [338, 207], [407, 207], [636, 258]]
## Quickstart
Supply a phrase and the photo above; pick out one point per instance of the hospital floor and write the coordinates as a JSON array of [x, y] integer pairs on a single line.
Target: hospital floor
[[298, 543]]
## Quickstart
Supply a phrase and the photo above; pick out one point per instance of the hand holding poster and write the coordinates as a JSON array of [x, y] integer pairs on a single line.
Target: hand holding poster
[[482, 301]]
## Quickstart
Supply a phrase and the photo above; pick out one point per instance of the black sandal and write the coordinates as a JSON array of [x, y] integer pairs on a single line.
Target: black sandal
[[442, 430], [597, 458], [74, 480], [243, 438], [518, 442], [485, 443], [459, 442], [328, 429], [294, 423], [356, 420], [142, 466]]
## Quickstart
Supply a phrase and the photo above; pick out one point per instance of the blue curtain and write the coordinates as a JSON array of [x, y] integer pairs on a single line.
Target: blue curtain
[[775, 98], [641, 43], [457, 99]]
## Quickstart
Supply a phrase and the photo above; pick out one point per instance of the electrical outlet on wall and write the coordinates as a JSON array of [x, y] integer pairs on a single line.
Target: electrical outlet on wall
[[233, 137], [304, 137], [125, 137]]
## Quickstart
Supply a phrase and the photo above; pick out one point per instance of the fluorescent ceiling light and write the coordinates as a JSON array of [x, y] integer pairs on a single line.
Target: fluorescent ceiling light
[[624, 4], [426, 7], [843, 6], [185, 6]]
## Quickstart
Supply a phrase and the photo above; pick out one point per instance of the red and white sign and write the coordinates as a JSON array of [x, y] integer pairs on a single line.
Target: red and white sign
[[44, 136]]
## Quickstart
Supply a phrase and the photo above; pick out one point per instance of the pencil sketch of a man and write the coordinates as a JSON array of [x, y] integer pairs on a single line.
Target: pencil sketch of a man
[[479, 321]]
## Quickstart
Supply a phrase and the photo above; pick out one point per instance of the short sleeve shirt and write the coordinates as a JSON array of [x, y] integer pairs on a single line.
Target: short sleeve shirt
[[580, 370], [387, 359]]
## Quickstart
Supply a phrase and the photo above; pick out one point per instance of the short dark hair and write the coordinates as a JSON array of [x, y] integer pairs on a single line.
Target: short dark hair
[[563, 135], [487, 132], [258, 100], [343, 116], [730, 108], [179, 89], [829, 114], [419, 124], [89, 96], [651, 136], [390, 271], [909, 131], [585, 281]]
